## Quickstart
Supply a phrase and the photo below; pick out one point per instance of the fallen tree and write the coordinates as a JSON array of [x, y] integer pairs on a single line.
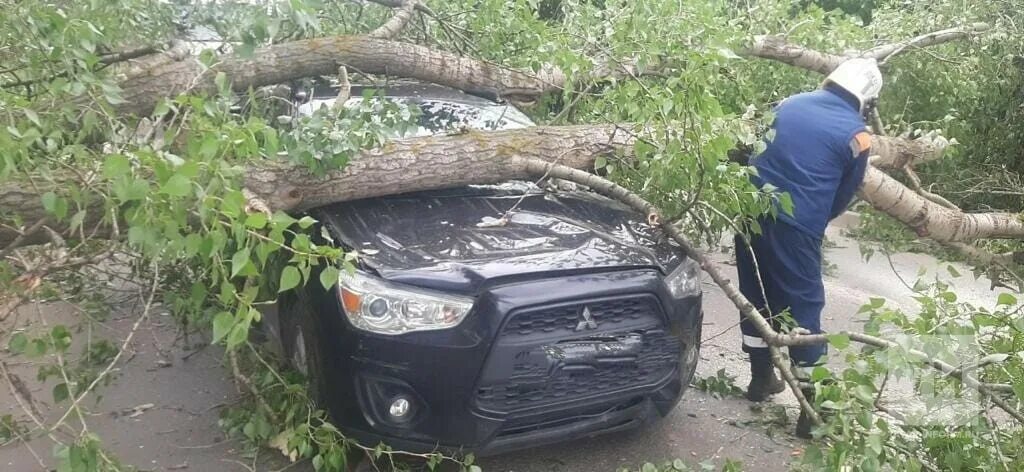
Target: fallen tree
[[415, 164], [279, 185]]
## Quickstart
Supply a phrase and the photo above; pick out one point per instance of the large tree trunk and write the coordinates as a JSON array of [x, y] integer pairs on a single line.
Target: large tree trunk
[[435, 162], [488, 157]]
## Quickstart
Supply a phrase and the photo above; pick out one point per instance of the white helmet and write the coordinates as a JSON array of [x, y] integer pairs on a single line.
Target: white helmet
[[859, 76]]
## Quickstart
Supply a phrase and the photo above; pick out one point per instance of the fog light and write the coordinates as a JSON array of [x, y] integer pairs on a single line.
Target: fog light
[[399, 408]]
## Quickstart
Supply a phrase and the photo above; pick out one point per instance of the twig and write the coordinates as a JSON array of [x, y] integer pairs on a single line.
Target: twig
[[31, 230], [21, 395], [236, 372]]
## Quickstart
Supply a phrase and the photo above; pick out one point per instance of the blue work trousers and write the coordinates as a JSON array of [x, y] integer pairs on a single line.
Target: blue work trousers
[[789, 265]]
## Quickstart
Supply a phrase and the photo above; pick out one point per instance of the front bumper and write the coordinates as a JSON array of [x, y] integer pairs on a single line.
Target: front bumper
[[523, 369]]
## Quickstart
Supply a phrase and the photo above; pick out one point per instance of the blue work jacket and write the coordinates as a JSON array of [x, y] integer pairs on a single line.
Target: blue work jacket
[[818, 156]]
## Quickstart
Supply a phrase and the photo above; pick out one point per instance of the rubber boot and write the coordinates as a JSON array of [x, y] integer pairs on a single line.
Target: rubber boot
[[763, 380], [804, 424]]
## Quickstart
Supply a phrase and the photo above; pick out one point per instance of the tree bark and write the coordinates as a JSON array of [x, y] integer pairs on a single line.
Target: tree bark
[[322, 56], [392, 27], [896, 153], [929, 219], [779, 49], [435, 162]]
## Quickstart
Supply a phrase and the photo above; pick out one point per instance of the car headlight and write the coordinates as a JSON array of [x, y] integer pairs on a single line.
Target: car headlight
[[684, 281], [381, 307]]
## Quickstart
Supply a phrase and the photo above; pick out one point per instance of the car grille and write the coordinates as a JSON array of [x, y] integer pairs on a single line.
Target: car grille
[[567, 317], [542, 358]]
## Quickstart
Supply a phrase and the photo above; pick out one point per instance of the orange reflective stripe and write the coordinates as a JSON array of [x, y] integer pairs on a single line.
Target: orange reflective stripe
[[863, 141]]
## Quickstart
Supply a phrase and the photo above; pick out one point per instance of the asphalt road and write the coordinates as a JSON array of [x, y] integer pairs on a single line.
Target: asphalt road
[[161, 411]]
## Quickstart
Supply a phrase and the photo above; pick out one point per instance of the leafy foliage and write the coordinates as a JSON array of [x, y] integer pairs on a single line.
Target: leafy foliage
[[719, 385], [884, 409]]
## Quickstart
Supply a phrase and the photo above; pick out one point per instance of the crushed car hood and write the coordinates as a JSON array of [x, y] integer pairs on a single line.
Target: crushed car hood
[[460, 238]]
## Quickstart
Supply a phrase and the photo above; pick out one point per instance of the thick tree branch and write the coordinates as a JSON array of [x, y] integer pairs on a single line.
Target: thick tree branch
[[932, 220], [897, 153], [392, 27], [322, 56], [884, 51], [779, 49]]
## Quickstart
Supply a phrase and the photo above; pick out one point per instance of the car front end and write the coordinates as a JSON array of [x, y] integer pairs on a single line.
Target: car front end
[[568, 320]]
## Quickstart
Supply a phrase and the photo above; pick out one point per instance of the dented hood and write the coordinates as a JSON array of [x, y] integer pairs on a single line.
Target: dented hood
[[459, 239]]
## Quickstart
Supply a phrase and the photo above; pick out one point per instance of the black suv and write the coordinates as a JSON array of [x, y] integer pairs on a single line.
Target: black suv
[[493, 317]]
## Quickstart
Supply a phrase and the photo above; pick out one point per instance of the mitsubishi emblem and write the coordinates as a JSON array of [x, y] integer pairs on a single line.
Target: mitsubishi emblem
[[586, 320]]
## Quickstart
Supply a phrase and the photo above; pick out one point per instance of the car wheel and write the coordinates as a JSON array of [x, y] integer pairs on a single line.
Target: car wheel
[[300, 338]]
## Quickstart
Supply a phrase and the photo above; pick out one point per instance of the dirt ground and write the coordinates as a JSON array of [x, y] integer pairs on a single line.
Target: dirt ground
[[160, 413]]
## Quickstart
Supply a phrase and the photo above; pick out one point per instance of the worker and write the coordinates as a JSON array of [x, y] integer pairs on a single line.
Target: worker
[[818, 156]]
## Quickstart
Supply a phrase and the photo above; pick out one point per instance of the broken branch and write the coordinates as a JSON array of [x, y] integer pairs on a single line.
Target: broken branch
[[392, 27], [885, 51]]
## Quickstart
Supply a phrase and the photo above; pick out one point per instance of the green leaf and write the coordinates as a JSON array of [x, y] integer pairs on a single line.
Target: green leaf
[[32, 116], [221, 81], [177, 186], [256, 220], [786, 202], [239, 260], [318, 462], [281, 218], [290, 278], [209, 146], [17, 343], [335, 459], [600, 163], [306, 221], [61, 337], [233, 203], [840, 341], [239, 333], [116, 165], [865, 394], [952, 271], [329, 277], [222, 323], [36, 348], [55, 205], [1006, 299], [128, 188], [60, 392]]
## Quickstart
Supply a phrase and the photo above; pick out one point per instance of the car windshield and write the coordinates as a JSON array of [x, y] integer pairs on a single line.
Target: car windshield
[[437, 116]]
